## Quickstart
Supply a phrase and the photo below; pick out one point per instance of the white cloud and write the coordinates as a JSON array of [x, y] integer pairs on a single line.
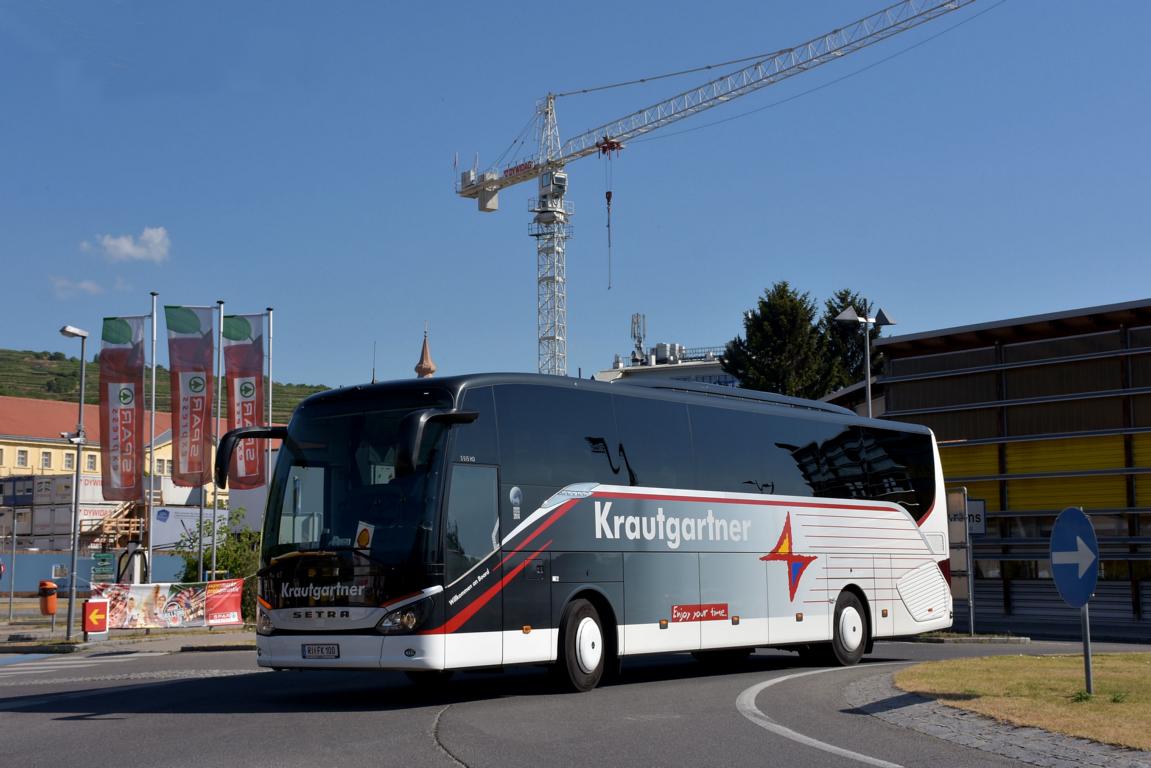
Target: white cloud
[[153, 245], [66, 288]]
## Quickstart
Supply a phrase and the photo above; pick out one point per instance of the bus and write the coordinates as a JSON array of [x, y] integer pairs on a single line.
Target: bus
[[480, 521]]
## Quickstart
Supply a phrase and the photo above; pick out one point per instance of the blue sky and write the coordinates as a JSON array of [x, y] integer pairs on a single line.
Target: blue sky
[[300, 155]]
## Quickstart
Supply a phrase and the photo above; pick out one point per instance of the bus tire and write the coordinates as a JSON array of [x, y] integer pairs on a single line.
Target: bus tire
[[582, 653], [849, 636]]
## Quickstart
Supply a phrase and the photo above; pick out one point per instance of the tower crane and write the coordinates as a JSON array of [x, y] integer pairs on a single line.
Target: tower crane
[[550, 225]]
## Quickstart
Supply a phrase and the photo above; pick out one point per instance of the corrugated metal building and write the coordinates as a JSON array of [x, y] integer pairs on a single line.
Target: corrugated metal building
[[1035, 414]]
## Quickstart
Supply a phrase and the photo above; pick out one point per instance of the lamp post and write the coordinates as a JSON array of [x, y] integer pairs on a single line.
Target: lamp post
[[881, 319], [76, 333]]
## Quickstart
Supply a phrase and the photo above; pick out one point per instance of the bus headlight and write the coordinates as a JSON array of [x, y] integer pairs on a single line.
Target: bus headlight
[[263, 622], [408, 618]]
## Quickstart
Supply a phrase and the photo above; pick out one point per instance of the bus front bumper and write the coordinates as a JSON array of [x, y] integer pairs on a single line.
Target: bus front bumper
[[345, 651]]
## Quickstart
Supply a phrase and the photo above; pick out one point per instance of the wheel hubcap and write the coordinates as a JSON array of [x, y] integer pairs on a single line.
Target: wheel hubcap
[[850, 628], [589, 645]]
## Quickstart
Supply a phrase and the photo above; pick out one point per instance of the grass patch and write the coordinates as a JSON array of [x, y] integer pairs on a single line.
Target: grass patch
[[1047, 692]]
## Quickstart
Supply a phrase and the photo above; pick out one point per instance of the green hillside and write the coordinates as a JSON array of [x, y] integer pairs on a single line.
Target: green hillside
[[54, 376]]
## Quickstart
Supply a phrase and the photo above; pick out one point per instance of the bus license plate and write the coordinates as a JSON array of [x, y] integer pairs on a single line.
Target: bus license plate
[[321, 651]]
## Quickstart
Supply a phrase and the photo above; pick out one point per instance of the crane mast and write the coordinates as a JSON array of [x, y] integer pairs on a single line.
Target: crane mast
[[551, 227]]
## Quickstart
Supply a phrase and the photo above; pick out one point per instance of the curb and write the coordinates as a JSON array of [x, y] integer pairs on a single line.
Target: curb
[[234, 647], [977, 640], [45, 648]]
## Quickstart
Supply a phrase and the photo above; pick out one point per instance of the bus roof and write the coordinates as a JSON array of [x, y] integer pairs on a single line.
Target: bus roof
[[683, 391]]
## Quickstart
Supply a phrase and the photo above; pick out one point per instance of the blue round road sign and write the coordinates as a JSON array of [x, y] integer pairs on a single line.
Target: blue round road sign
[[1074, 557]]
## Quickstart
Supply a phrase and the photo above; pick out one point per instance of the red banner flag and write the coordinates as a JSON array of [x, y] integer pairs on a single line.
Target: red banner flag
[[122, 408], [244, 363], [190, 351]]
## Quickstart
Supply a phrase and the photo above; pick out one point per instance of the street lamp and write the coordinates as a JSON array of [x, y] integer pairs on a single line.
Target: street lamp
[[73, 332], [849, 316]]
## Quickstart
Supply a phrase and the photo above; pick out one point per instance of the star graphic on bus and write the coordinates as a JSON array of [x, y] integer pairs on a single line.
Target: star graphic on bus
[[796, 564]]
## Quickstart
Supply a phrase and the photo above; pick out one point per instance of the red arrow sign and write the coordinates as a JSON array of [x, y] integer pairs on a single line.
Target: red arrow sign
[[95, 616]]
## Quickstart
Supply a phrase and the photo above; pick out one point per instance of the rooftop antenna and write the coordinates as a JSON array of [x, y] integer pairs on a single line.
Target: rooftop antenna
[[638, 332], [373, 362]]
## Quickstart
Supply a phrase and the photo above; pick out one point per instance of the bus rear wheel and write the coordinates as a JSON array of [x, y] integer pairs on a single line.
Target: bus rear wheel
[[849, 632], [582, 652]]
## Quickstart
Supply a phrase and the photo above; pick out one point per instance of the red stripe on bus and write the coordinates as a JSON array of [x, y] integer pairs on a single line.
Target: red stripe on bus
[[754, 502], [461, 618], [559, 512]]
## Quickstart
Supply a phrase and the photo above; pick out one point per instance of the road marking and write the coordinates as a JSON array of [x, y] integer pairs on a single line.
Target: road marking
[[20, 659], [745, 703], [37, 664]]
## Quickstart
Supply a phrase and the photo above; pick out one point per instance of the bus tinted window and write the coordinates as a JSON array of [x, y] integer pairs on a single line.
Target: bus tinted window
[[728, 446], [820, 457], [900, 467], [471, 523], [747, 452], [475, 443], [553, 437], [655, 443]]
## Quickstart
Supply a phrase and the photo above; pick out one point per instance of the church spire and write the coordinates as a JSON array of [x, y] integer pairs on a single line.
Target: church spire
[[425, 368]]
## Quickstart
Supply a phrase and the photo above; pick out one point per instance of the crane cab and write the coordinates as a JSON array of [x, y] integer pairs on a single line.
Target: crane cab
[[553, 184]]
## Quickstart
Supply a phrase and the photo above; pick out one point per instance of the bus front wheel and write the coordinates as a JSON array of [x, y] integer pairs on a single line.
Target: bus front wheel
[[581, 657], [849, 635]]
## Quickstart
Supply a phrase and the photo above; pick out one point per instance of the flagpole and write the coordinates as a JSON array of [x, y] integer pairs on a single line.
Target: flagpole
[[268, 443], [216, 426], [150, 505]]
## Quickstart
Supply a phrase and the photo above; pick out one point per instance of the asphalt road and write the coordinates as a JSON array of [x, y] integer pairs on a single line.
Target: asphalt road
[[195, 709]]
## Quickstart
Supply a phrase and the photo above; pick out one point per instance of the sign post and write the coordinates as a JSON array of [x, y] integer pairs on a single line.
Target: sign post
[[103, 567], [95, 614], [959, 527], [1074, 566]]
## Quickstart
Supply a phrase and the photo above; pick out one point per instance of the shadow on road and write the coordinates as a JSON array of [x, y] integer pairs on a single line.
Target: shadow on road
[[355, 691]]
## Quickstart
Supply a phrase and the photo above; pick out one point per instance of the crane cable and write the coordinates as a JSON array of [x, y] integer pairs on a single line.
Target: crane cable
[[520, 140], [607, 196], [653, 78]]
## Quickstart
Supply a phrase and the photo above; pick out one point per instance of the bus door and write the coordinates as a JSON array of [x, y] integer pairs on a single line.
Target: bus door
[[471, 568]]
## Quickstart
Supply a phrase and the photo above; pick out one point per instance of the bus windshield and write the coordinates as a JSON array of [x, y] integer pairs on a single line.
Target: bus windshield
[[336, 488]]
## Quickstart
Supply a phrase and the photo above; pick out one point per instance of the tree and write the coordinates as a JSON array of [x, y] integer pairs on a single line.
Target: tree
[[237, 553], [781, 349], [786, 350], [844, 345]]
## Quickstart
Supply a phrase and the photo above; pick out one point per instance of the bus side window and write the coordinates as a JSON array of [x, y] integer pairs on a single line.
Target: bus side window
[[815, 458], [900, 468], [471, 524], [654, 443], [476, 443], [553, 437]]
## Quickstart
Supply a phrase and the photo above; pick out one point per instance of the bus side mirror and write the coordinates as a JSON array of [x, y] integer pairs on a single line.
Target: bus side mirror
[[228, 446], [412, 429]]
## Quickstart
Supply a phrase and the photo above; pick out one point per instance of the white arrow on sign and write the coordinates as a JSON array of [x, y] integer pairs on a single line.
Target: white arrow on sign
[[1082, 556]]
